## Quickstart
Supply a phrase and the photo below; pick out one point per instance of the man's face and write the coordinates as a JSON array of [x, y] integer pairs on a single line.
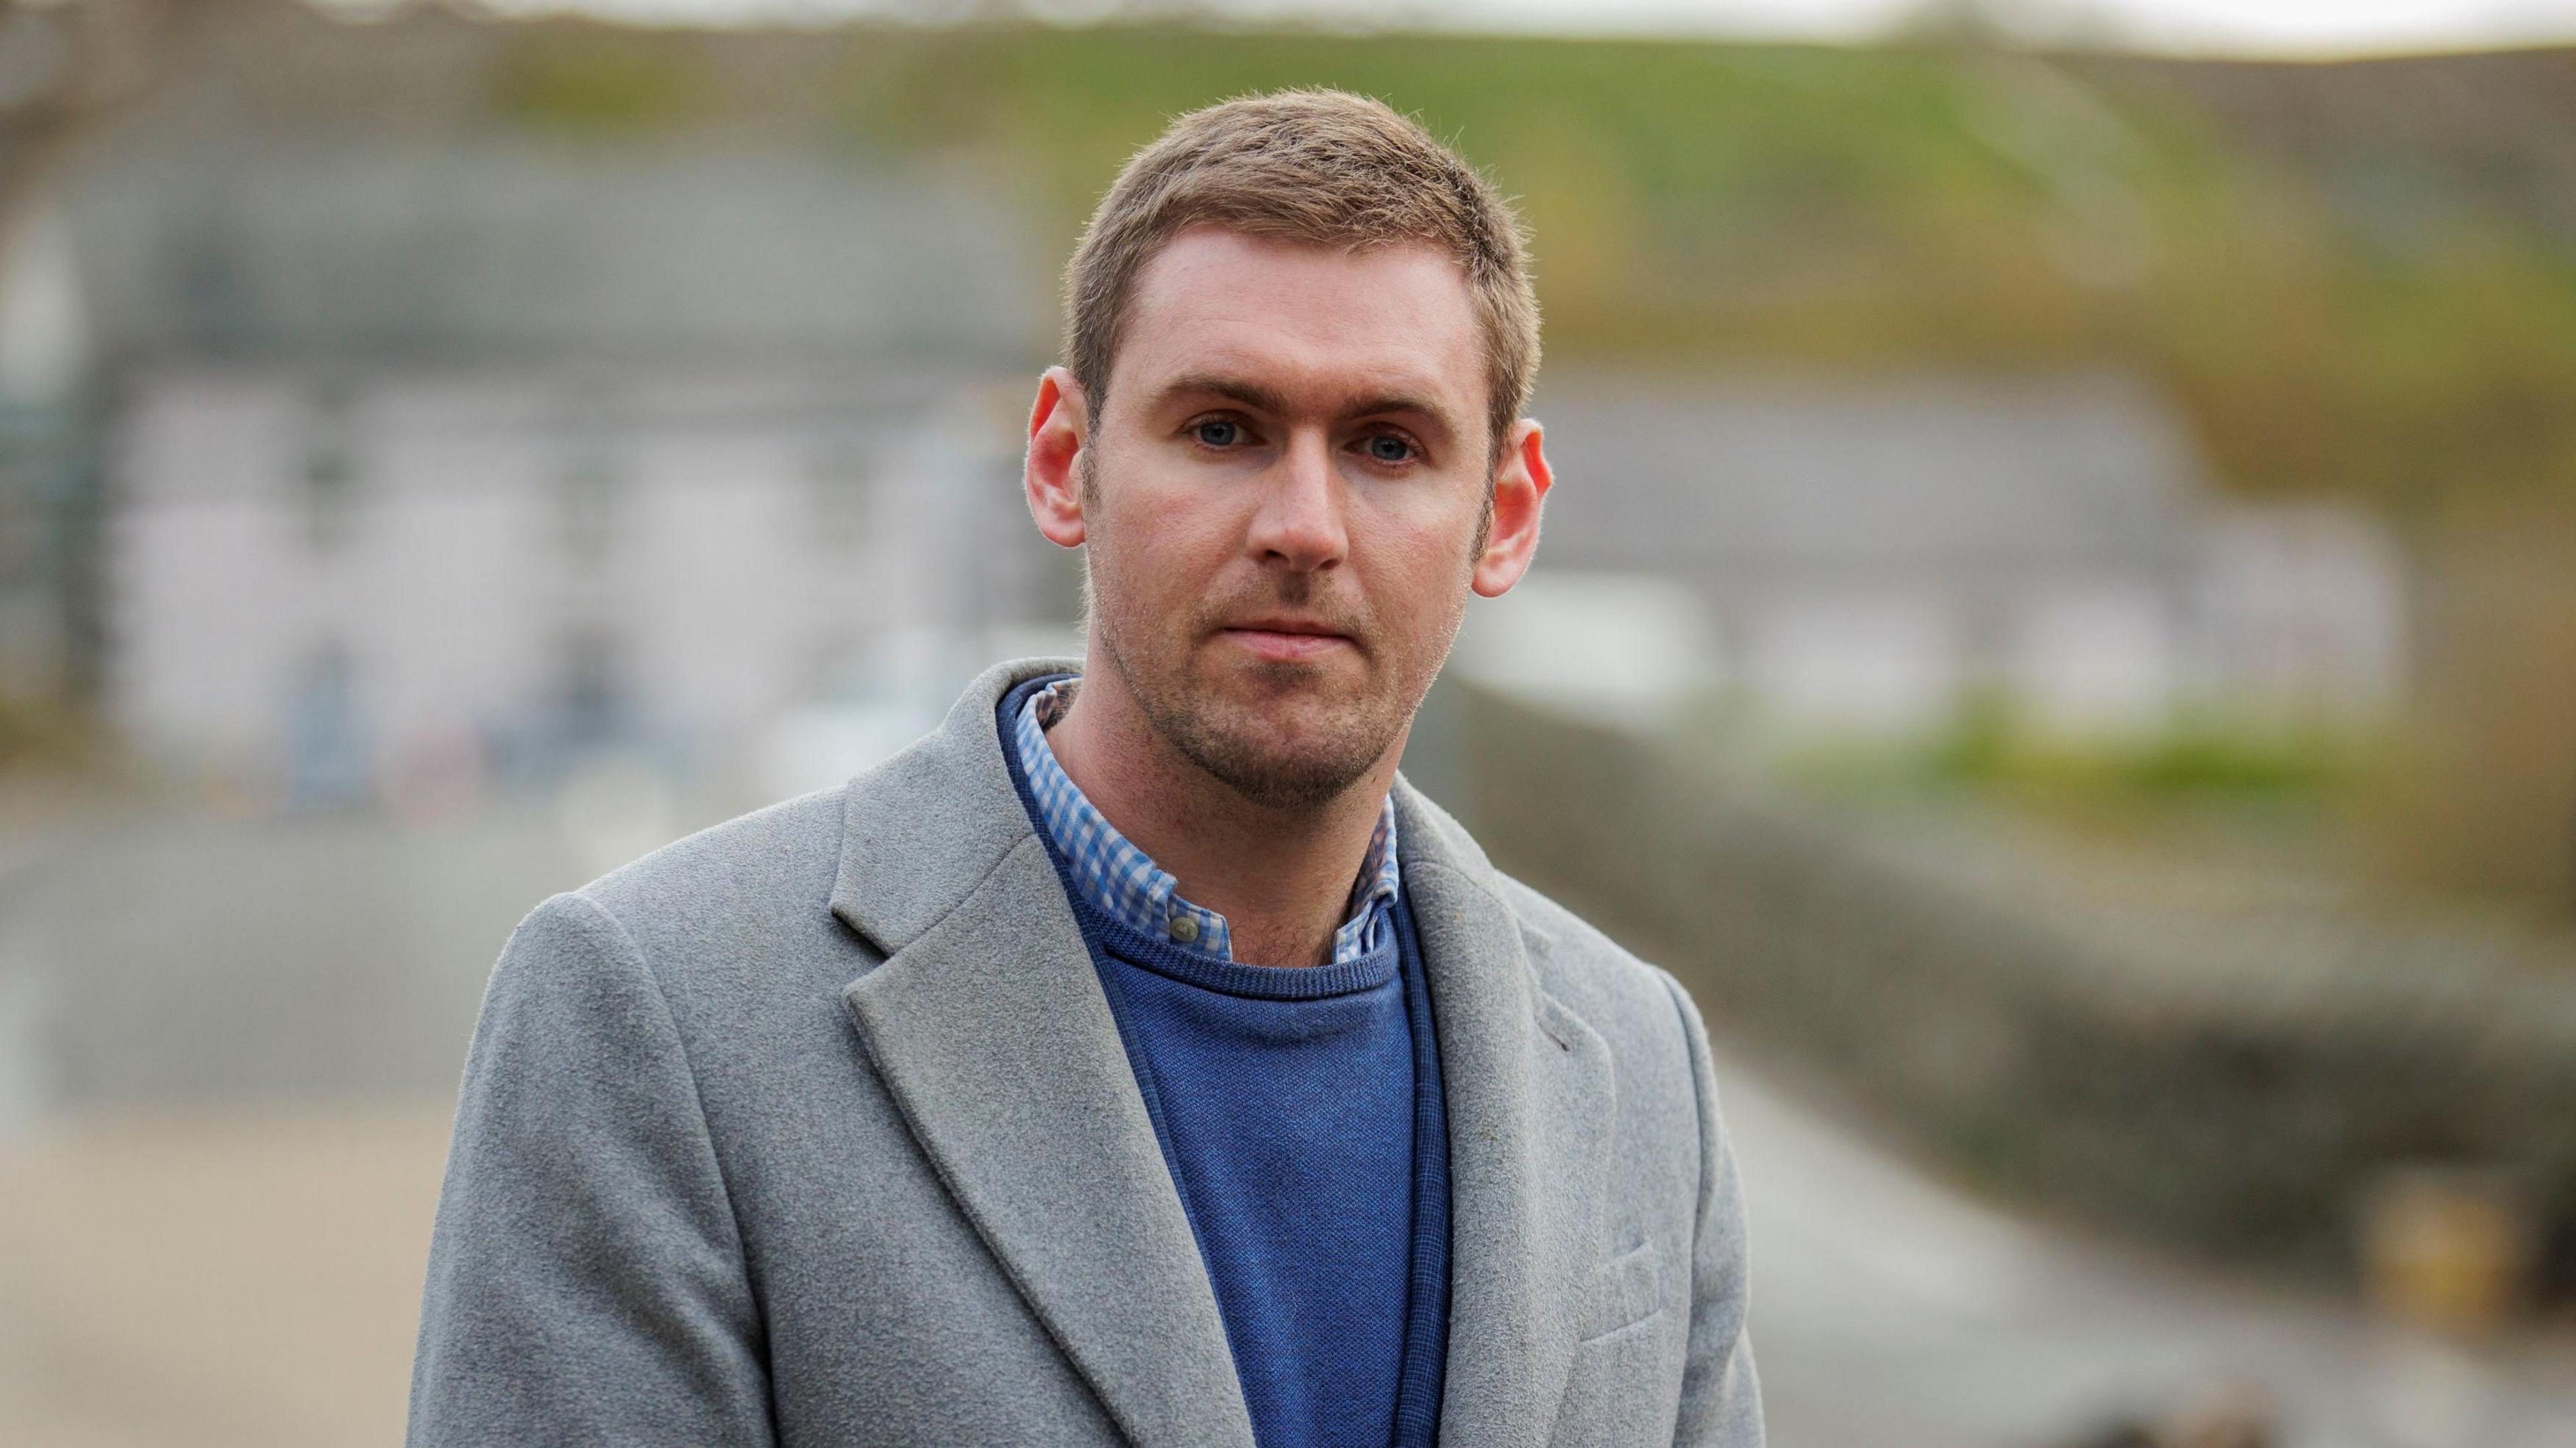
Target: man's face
[[1283, 502]]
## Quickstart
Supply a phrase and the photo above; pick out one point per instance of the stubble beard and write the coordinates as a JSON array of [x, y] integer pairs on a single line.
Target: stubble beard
[[1277, 749]]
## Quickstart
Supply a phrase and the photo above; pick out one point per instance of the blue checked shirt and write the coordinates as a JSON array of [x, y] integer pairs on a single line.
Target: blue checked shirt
[[1121, 880]]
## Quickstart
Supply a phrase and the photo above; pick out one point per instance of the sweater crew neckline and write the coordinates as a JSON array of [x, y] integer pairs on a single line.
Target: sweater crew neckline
[[1239, 979]]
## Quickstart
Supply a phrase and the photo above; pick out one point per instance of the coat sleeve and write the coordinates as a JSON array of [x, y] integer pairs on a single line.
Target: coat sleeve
[[586, 1275], [1721, 1396]]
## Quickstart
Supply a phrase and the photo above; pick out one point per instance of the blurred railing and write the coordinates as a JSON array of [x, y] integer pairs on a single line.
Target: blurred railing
[[2144, 1083]]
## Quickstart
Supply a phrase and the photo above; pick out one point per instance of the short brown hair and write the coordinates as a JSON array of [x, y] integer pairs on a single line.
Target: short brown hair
[[1320, 166]]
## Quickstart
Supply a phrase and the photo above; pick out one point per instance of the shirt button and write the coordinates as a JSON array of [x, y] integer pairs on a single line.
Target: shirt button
[[1184, 929]]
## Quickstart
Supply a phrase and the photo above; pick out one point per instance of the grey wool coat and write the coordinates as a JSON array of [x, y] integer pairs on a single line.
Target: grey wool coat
[[815, 1128]]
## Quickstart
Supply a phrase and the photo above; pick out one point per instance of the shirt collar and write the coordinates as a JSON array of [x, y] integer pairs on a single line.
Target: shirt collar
[[1124, 882]]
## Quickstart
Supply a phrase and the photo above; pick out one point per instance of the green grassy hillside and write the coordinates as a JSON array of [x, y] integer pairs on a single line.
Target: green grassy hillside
[[2358, 316]]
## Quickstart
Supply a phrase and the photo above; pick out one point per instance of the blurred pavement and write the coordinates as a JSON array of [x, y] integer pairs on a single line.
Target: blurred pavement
[[214, 1233]]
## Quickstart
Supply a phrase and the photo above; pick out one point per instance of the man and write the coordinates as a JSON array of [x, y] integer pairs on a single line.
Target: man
[[1137, 1059]]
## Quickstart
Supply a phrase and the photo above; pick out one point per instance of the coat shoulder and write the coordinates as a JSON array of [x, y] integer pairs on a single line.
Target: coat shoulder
[[742, 899], [759, 860]]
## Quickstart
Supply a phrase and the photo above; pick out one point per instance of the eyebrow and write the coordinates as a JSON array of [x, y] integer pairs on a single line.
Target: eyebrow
[[1254, 395]]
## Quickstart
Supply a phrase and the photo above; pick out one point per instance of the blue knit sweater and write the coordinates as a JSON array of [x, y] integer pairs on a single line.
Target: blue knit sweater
[[1300, 1113]]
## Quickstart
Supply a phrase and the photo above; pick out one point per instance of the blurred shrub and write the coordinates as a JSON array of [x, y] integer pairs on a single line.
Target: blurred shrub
[[2204, 754], [48, 734], [2481, 797], [599, 82]]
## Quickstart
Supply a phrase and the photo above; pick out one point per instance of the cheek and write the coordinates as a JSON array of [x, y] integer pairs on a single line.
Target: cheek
[[1159, 543], [1416, 553]]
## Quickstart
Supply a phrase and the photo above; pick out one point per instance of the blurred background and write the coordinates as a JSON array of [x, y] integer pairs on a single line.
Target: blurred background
[[2058, 622]]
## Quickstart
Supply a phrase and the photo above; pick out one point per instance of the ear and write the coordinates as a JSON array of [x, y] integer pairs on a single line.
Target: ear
[[1058, 426], [1520, 486]]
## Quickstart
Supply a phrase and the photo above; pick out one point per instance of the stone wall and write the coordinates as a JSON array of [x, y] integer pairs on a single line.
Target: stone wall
[[2242, 1110]]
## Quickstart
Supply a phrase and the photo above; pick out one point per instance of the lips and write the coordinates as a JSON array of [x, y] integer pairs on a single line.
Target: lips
[[1287, 640]]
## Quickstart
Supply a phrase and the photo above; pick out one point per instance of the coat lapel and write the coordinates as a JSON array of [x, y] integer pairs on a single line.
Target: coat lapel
[[988, 1025], [1530, 1094]]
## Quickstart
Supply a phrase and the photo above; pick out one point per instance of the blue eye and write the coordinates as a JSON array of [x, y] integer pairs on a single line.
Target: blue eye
[[1386, 447], [1218, 432]]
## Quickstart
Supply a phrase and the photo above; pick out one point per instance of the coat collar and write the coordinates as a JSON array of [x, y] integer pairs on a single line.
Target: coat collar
[[988, 1025], [922, 830]]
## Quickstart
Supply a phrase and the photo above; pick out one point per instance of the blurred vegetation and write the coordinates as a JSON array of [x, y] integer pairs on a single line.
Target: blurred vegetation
[[48, 735], [2202, 763], [2206, 755]]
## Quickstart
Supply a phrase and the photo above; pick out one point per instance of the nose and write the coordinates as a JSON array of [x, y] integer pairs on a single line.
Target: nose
[[1298, 524]]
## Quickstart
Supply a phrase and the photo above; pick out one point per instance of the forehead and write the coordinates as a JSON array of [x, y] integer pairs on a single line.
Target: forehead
[[1307, 318]]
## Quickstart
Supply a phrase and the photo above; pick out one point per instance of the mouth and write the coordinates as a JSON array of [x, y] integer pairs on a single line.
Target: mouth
[[1287, 640]]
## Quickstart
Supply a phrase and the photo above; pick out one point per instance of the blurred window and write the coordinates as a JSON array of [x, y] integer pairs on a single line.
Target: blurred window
[[330, 473]]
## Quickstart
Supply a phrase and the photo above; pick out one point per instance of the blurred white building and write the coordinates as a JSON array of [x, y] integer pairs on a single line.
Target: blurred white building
[[435, 460], [342, 583], [1862, 556]]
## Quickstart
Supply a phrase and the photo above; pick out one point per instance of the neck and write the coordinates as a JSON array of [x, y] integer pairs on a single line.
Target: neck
[[1281, 877]]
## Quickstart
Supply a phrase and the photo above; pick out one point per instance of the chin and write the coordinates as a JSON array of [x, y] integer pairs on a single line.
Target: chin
[[1286, 751], [1287, 780]]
